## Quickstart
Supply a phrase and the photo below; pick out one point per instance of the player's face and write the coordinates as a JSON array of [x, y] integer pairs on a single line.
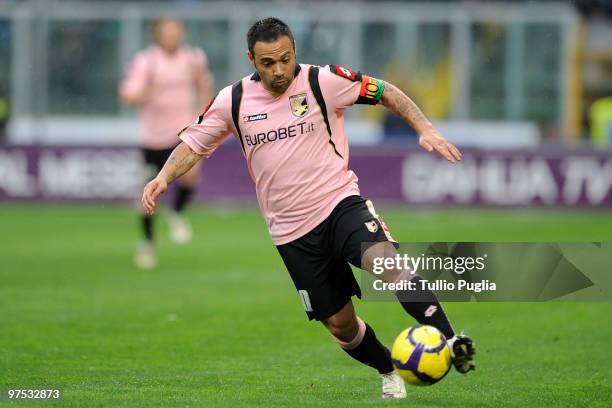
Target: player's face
[[275, 63], [169, 34]]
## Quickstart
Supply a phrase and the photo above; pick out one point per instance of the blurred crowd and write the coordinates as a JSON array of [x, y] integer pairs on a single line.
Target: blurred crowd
[[95, 46]]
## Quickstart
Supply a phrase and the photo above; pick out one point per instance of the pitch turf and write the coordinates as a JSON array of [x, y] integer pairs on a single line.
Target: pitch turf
[[219, 323]]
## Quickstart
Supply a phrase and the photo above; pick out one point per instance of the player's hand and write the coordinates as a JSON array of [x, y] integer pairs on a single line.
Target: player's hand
[[431, 140], [152, 191]]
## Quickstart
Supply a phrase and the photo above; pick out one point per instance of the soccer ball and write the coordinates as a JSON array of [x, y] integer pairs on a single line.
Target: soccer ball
[[420, 355]]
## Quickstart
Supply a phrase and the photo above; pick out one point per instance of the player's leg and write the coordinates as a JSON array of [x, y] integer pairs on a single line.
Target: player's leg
[[145, 254], [363, 347], [421, 303], [180, 229], [359, 341], [325, 287]]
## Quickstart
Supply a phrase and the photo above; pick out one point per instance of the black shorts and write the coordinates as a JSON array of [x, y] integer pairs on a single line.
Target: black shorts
[[319, 261], [155, 159]]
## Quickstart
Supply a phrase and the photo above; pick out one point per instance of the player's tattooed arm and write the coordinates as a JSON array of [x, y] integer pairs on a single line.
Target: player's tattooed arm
[[429, 138], [180, 161], [399, 103]]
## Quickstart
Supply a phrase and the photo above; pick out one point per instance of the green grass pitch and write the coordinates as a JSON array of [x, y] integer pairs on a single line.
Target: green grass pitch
[[218, 323]]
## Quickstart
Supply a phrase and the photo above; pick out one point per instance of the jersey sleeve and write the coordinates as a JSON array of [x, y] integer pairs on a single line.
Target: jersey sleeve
[[212, 127], [136, 78], [344, 88]]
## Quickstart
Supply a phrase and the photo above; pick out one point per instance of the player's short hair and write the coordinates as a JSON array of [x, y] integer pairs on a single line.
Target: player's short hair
[[267, 30]]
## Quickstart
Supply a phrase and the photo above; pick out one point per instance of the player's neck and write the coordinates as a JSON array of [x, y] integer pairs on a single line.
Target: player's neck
[[169, 51], [274, 93]]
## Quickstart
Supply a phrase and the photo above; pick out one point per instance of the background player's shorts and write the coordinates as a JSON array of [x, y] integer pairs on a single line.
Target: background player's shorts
[[155, 160], [319, 261]]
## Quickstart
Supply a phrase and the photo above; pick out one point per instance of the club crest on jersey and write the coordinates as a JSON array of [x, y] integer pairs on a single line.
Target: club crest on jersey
[[372, 226], [299, 104]]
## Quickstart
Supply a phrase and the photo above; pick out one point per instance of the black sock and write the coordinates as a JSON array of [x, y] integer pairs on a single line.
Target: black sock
[[147, 227], [372, 352], [183, 194], [423, 305]]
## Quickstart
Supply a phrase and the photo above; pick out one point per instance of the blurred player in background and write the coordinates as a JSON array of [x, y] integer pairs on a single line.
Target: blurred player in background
[[169, 82], [289, 120]]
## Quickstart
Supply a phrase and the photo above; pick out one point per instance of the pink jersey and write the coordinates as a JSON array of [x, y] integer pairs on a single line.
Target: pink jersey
[[169, 83], [299, 165]]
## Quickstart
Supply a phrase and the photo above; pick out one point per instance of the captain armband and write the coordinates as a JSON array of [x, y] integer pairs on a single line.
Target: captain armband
[[371, 90]]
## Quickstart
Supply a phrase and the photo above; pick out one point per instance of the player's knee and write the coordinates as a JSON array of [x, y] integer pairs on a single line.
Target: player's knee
[[379, 250], [342, 327], [373, 261]]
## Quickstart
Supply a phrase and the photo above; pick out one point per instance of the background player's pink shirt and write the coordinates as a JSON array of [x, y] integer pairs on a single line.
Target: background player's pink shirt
[[170, 83], [299, 175]]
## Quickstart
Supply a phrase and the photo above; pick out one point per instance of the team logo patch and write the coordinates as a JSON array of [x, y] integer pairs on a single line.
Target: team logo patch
[[253, 118], [431, 310], [345, 72], [380, 220], [299, 104], [372, 226]]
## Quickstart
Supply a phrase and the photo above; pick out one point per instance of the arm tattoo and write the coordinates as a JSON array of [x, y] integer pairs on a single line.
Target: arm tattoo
[[400, 104], [180, 161]]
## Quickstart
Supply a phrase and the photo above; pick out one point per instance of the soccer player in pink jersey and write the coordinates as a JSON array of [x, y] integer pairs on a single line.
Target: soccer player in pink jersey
[[168, 81], [288, 119]]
